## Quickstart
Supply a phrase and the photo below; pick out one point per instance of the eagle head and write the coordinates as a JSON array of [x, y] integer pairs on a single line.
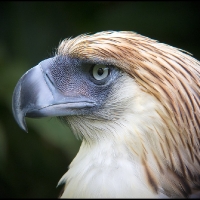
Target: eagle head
[[133, 101]]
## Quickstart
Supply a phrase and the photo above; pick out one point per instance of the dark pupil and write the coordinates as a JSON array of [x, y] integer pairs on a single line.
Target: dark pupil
[[100, 71]]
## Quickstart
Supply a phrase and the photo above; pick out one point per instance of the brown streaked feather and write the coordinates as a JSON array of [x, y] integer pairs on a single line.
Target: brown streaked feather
[[151, 179], [160, 167], [179, 183]]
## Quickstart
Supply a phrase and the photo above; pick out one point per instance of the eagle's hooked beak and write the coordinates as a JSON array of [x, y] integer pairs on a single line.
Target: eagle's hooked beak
[[36, 95]]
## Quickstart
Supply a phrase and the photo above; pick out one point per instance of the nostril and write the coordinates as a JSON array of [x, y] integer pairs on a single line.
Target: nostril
[[47, 77]]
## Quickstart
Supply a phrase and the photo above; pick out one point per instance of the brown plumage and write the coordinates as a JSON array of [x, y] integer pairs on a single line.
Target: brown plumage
[[157, 129]]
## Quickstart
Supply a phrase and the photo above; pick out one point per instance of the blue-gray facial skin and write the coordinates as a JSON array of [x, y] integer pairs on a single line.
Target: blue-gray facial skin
[[62, 86]]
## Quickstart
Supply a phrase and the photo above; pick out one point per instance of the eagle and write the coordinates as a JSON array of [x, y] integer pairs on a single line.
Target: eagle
[[135, 104]]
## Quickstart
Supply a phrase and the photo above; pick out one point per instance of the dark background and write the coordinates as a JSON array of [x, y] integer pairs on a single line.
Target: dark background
[[31, 164]]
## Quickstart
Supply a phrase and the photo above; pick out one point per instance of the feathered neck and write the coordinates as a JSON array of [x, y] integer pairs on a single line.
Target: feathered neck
[[130, 145]]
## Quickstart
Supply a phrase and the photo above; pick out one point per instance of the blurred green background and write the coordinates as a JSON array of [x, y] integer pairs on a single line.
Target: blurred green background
[[31, 164]]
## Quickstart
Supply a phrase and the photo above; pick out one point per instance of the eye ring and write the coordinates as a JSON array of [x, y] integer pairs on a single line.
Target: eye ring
[[100, 72]]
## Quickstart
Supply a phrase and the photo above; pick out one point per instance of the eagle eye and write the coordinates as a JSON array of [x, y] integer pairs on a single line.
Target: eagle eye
[[99, 72]]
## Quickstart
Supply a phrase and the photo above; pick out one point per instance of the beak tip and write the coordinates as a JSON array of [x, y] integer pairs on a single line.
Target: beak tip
[[26, 130], [20, 119], [18, 114], [23, 126]]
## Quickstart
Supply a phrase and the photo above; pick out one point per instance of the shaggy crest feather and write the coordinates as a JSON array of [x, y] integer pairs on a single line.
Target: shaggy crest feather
[[167, 76]]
